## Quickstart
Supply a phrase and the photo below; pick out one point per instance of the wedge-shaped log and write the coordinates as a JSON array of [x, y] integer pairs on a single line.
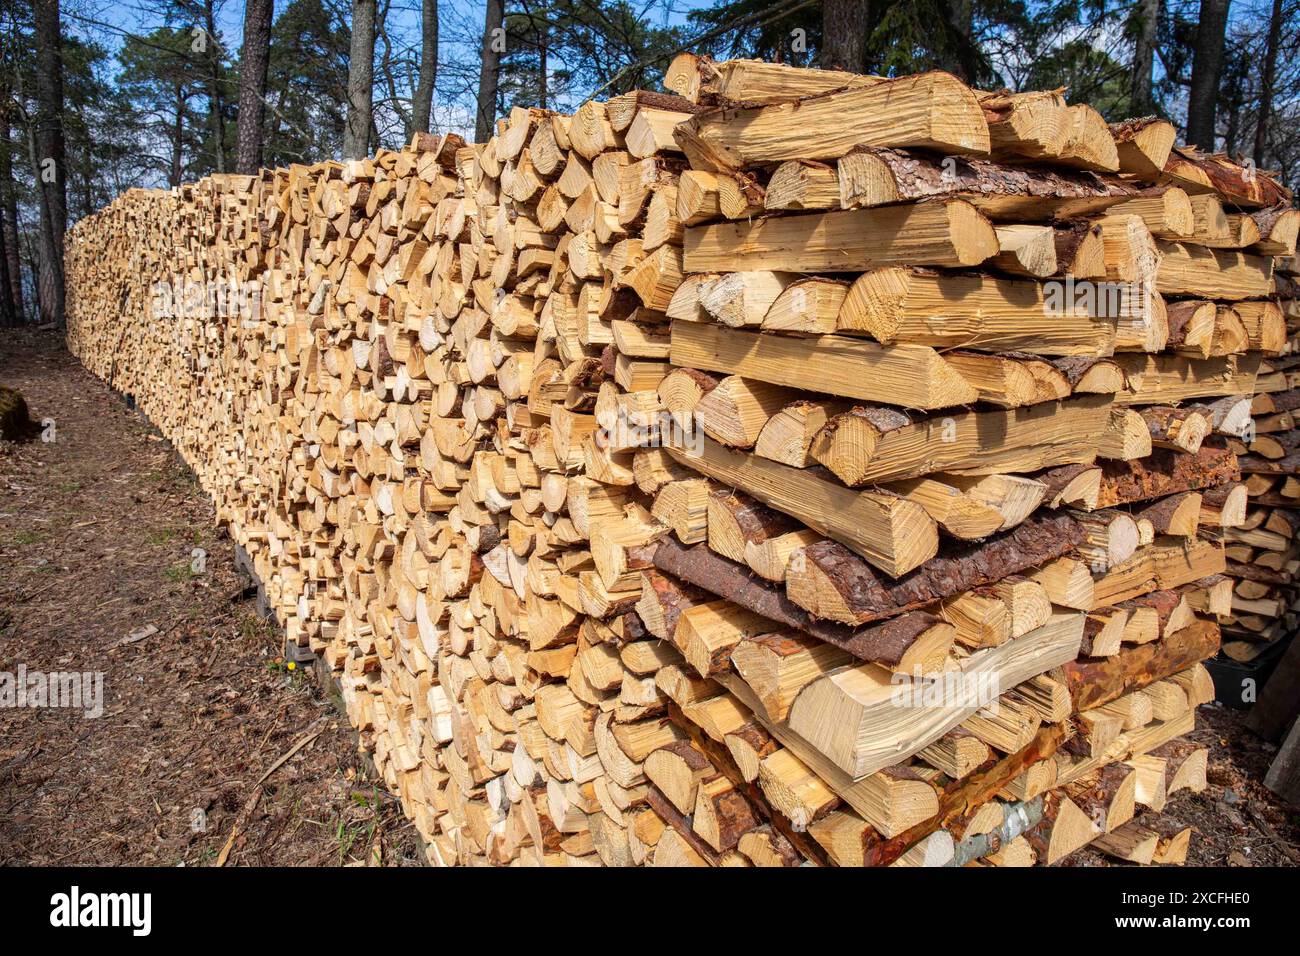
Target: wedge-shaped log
[[930, 110], [924, 307], [735, 412], [1189, 270], [752, 81], [891, 800], [960, 515], [777, 666], [1041, 126], [865, 445], [1014, 497], [707, 633], [1032, 125], [803, 184], [1264, 324], [862, 719], [1169, 379], [1239, 185], [934, 234], [911, 375], [830, 582], [1143, 145], [737, 521], [879, 177], [1027, 250], [809, 305], [891, 532], [1166, 563], [1278, 229], [1167, 212]]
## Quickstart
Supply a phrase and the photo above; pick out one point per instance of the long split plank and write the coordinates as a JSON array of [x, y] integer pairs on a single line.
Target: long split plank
[[1038, 436], [951, 234], [862, 719], [831, 582], [930, 110], [892, 533], [912, 376], [925, 307]]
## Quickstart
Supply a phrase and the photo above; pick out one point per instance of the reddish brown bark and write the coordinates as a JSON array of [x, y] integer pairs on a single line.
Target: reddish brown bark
[[666, 101], [1069, 237], [917, 176], [885, 643], [1266, 219], [1235, 184], [1178, 314], [1165, 472], [871, 597], [1162, 512], [1059, 478], [1255, 465], [1096, 681], [1074, 368], [1163, 602], [755, 520], [664, 602]]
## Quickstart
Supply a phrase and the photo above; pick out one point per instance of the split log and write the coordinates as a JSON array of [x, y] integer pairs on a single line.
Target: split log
[[874, 177], [938, 234], [1098, 681], [912, 375], [908, 641], [831, 582], [893, 533], [930, 110]]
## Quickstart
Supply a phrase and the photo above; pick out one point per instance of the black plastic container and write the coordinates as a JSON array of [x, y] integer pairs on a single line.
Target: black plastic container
[[1230, 676]]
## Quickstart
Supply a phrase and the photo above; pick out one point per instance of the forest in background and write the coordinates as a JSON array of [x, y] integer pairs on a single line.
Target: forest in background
[[96, 98]]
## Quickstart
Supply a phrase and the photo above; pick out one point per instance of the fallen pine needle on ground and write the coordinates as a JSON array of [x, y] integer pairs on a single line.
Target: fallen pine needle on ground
[[210, 747]]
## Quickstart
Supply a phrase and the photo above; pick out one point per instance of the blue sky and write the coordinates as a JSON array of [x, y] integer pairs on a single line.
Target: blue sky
[[108, 22], [140, 16]]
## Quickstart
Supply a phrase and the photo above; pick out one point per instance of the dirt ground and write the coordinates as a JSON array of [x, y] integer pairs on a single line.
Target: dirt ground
[[1236, 820], [98, 531]]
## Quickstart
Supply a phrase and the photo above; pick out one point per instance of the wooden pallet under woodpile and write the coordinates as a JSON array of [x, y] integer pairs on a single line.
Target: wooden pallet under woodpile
[[793, 467]]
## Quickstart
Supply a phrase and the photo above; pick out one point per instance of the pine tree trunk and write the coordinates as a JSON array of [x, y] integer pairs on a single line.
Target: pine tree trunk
[[8, 318], [85, 180], [422, 101], [9, 225], [178, 139], [361, 80], [46, 254], [1266, 81], [253, 59], [216, 117], [48, 146], [844, 34], [489, 70], [543, 67], [1207, 68], [1143, 103], [964, 59], [1232, 106]]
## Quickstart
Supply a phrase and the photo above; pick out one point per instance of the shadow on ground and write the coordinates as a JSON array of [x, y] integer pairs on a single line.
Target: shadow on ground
[[99, 531]]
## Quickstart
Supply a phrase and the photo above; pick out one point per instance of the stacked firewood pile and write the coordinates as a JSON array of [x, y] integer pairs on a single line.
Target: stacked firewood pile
[[1262, 554], [792, 467]]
